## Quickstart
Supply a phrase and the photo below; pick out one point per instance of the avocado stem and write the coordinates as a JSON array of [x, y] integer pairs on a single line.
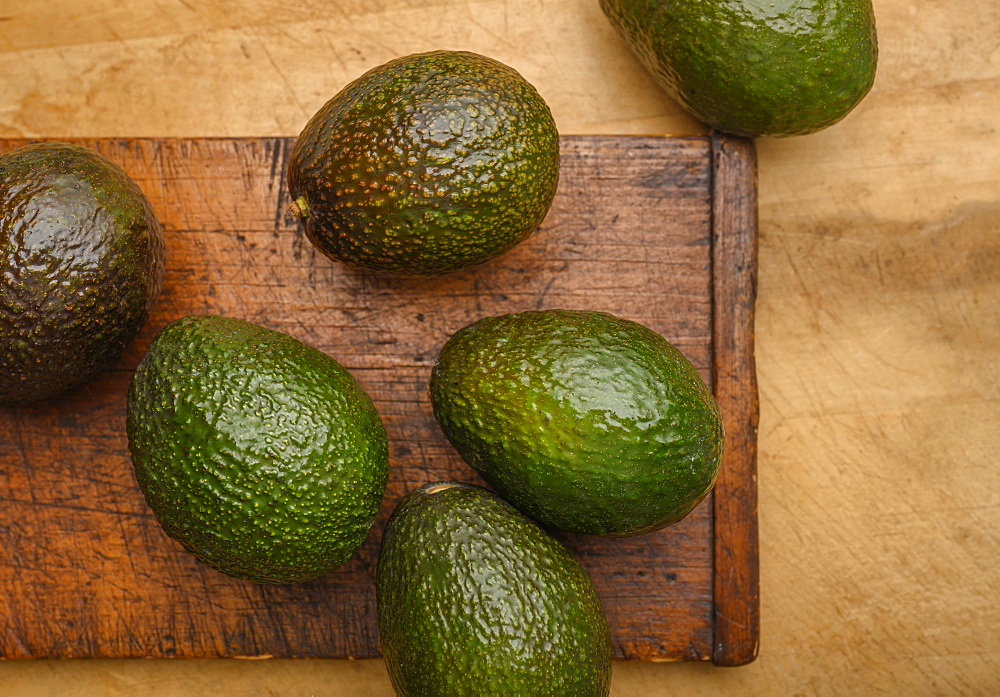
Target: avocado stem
[[299, 207]]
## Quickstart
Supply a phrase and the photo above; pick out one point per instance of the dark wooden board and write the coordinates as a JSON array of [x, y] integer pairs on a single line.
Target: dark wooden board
[[661, 230]]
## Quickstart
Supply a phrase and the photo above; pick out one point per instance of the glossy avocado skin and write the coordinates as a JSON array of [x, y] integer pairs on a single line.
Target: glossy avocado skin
[[262, 456], [82, 261], [585, 421], [755, 67], [475, 599], [426, 165]]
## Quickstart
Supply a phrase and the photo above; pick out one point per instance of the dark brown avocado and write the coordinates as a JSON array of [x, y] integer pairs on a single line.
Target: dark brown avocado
[[81, 263]]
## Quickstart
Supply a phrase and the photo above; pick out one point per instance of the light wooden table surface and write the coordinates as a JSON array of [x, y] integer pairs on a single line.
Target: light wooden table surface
[[878, 332]]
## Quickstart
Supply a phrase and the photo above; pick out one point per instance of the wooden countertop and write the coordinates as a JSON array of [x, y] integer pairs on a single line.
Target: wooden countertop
[[878, 316]]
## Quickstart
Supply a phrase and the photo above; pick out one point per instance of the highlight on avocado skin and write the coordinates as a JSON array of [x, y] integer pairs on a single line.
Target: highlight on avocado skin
[[755, 67], [260, 454], [427, 165], [587, 422], [82, 260]]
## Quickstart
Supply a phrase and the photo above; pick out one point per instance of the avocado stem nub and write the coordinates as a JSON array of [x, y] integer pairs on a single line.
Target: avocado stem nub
[[299, 207]]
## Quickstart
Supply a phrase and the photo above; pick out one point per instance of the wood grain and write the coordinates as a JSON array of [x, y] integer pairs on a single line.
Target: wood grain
[[734, 375], [88, 572]]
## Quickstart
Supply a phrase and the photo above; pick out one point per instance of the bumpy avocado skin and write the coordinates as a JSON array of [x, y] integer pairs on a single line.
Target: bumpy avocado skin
[[262, 456], [475, 599], [755, 67], [586, 422], [426, 165], [81, 261]]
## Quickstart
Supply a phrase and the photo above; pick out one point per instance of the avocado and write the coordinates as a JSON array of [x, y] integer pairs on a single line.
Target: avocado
[[586, 422], [475, 599], [82, 261], [261, 455], [755, 67], [426, 165]]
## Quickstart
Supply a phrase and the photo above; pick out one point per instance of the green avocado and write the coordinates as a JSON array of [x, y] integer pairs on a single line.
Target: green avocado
[[261, 455], [586, 422], [426, 165], [474, 599], [755, 67], [82, 261]]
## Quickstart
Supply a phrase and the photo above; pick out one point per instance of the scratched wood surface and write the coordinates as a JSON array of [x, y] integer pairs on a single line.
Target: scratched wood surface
[[635, 230], [878, 316]]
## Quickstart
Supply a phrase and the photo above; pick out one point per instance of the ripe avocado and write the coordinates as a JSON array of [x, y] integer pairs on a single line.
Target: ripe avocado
[[475, 599], [755, 67], [261, 455], [584, 421], [82, 260], [426, 165]]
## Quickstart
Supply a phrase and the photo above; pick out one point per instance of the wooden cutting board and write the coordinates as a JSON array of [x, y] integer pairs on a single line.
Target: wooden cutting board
[[661, 230]]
